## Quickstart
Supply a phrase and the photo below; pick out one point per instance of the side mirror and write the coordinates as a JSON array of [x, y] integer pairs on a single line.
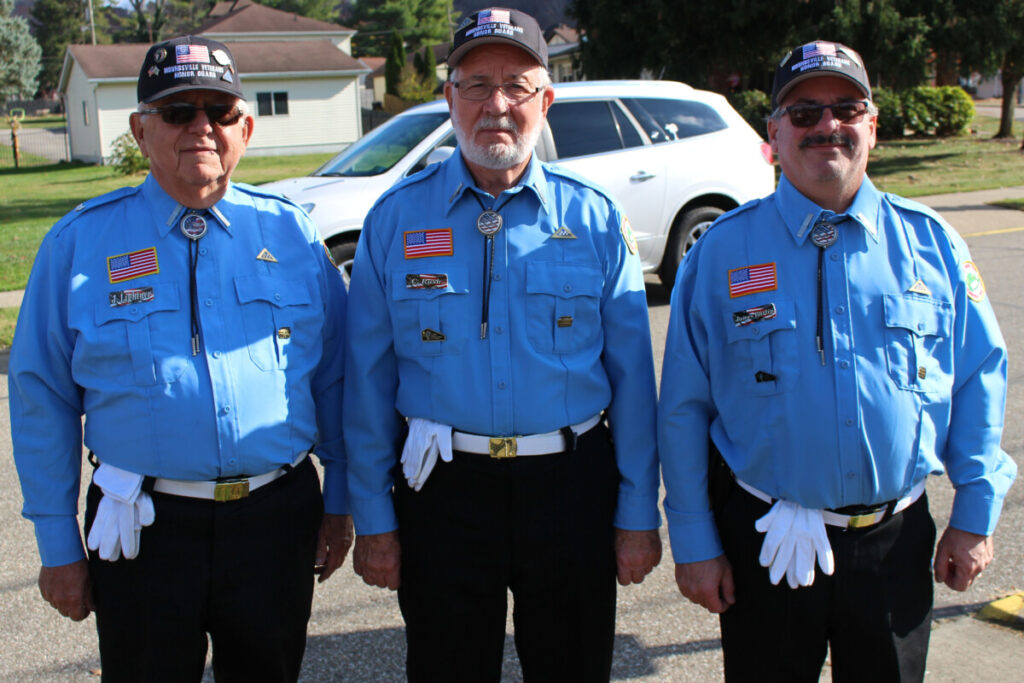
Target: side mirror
[[439, 154]]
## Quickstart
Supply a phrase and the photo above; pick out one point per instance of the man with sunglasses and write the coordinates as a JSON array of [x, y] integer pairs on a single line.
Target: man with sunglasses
[[497, 304], [197, 325], [830, 346]]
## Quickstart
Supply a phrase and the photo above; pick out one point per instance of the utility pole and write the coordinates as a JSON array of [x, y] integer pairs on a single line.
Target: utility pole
[[92, 24]]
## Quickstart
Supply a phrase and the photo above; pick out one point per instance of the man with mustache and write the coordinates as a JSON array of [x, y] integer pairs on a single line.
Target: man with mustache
[[498, 339], [830, 346], [197, 324]]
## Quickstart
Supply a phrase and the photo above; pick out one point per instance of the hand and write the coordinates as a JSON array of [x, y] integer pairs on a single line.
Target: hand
[[960, 557], [708, 583], [377, 558], [68, 589], [637, 553], [332, 545]]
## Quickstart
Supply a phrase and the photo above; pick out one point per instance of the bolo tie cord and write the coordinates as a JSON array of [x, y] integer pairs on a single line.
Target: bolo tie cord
[[193, 227], [489, 223], [823, 235]]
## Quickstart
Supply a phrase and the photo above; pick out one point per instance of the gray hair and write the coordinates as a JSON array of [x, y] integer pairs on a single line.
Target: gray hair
[[545, 77], [242, 105]]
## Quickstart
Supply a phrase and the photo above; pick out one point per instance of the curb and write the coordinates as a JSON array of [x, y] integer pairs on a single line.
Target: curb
[[1008, 611]]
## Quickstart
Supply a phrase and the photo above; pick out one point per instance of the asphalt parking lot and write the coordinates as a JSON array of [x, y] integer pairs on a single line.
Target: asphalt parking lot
[[356, 631]]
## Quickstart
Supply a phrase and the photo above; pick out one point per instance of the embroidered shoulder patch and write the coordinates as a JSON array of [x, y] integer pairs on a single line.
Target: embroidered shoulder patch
[[972, 278], [627, 235]]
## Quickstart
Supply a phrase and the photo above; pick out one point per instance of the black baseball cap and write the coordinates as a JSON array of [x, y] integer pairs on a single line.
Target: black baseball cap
[[820, 58], [499, 25], [188, 63]]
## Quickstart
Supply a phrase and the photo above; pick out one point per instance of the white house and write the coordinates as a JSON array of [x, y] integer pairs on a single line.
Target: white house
[[297, 74]]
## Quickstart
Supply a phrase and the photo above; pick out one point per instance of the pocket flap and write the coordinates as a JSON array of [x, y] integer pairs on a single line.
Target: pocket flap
[[765, 318], [138, 302], [920, 315], [564, 280], [275, 291]]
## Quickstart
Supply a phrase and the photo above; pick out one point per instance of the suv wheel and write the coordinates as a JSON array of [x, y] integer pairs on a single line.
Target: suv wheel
[[343, 253], [689, 226]]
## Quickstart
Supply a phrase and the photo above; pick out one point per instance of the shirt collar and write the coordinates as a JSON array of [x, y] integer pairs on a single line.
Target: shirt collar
[[458, 178], [799, 213], [168, 211]]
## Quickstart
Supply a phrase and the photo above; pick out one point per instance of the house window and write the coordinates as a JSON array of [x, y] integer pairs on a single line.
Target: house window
[[271, 104], [85, 112]]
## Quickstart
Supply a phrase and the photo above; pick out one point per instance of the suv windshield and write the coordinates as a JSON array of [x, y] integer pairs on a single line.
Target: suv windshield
[[383, 147]]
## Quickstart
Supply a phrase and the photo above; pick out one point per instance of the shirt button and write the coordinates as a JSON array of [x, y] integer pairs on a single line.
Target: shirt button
[[566, 288], [840, 309], [501, 385], [226, 409], [844, 364], [499, 329], [277, 296], [851, 475], [202, 250], [754, 329], [133, 310], [834, 257], [209, 302], [216, 354], [232, 461], [849, 422], [920, 327], [497, 276]]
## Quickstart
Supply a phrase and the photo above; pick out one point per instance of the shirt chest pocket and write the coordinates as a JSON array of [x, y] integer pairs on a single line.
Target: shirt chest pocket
[[144, 342], [430, 311], [563, 306], [762, 350], [275, 314], [917, 343]]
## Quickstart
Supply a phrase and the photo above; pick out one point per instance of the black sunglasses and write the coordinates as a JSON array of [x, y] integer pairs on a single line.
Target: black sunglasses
[[807, 115], [182, 113]]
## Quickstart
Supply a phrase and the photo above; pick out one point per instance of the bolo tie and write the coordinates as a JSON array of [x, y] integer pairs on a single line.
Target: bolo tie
[[193, 226], [489, 223], [823, 236]]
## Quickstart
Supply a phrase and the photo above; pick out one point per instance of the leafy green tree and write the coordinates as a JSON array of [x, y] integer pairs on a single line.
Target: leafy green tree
[[323, 10], [421, 22], [426, 64], [19, 55], [894, 44], [58, 24], [395, 63]]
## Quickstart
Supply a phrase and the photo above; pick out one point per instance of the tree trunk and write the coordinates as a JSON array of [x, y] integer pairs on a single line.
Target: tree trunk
[[1010, 80]]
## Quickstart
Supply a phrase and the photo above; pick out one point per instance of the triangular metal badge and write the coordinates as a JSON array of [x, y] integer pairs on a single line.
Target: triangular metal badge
[[563, 233], [920, 288], [265, 255]]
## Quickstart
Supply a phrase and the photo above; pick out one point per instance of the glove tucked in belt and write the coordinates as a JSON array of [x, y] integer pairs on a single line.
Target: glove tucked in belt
[[426, 441], [793, 537], [124, 509]]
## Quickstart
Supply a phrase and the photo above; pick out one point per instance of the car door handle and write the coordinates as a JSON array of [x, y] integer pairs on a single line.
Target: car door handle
[[640, 176]]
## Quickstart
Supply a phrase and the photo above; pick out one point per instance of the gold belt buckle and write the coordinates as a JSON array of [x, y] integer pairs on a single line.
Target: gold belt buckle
[[860, 521], [230, 489], [503, 447]]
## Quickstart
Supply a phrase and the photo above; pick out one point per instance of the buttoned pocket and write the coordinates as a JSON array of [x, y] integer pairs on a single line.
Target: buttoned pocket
[[430, 311], [762, 346], [274, 313], [917, 342], [145, 322], [563, 306]]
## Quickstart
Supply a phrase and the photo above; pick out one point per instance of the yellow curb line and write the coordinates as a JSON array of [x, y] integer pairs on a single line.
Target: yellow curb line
[[991, 232], [1009, 610]]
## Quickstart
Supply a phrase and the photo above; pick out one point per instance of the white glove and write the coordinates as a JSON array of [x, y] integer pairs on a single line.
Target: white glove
[[124, 509], [426, 441], [794, 537]]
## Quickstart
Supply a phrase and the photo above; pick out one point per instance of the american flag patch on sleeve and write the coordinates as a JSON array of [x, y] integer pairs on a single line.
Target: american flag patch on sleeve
[[752, 279], [421, 243]]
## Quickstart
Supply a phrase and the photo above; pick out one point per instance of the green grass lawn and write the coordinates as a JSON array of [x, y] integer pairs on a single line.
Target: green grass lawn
[[8, 316]]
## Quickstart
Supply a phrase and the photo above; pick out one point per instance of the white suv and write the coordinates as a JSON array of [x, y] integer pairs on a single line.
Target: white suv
[[675, 157]]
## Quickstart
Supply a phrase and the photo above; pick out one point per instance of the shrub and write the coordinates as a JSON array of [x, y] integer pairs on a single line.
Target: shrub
[[921, 107], [127, 158], [891, 122], [955, 112], [754, 106]]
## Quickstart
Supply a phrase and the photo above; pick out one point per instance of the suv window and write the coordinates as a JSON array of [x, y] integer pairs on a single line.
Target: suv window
[[383, 147], [668, 120], [590, 127]]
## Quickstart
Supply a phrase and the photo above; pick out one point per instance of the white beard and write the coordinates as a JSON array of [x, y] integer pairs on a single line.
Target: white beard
[[497, 156]]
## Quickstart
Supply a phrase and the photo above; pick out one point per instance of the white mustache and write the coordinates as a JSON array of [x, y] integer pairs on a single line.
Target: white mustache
[[499, 122]]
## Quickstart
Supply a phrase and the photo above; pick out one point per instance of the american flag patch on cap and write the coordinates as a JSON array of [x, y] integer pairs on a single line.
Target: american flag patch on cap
[[132, 265], [421, 243], [752, 279]]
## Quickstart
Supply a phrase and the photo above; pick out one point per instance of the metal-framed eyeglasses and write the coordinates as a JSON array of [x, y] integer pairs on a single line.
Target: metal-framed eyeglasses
[[513, 92], [183, 113], [807, 115]]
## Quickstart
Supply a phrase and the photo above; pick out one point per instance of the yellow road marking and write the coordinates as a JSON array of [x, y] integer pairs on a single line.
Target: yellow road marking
[[991, 232]]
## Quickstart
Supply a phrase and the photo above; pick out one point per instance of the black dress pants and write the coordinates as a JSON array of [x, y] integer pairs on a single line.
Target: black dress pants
[[538, 525], [874, 611], [240, 571]]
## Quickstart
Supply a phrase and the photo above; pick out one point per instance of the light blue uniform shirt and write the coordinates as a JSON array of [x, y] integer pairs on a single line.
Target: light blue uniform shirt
[[266, 385], [914, 379], [568, 330]]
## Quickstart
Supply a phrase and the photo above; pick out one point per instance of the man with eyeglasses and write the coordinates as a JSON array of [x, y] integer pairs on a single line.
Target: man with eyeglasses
[[197, 325], [830, 346], [498, 339]]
